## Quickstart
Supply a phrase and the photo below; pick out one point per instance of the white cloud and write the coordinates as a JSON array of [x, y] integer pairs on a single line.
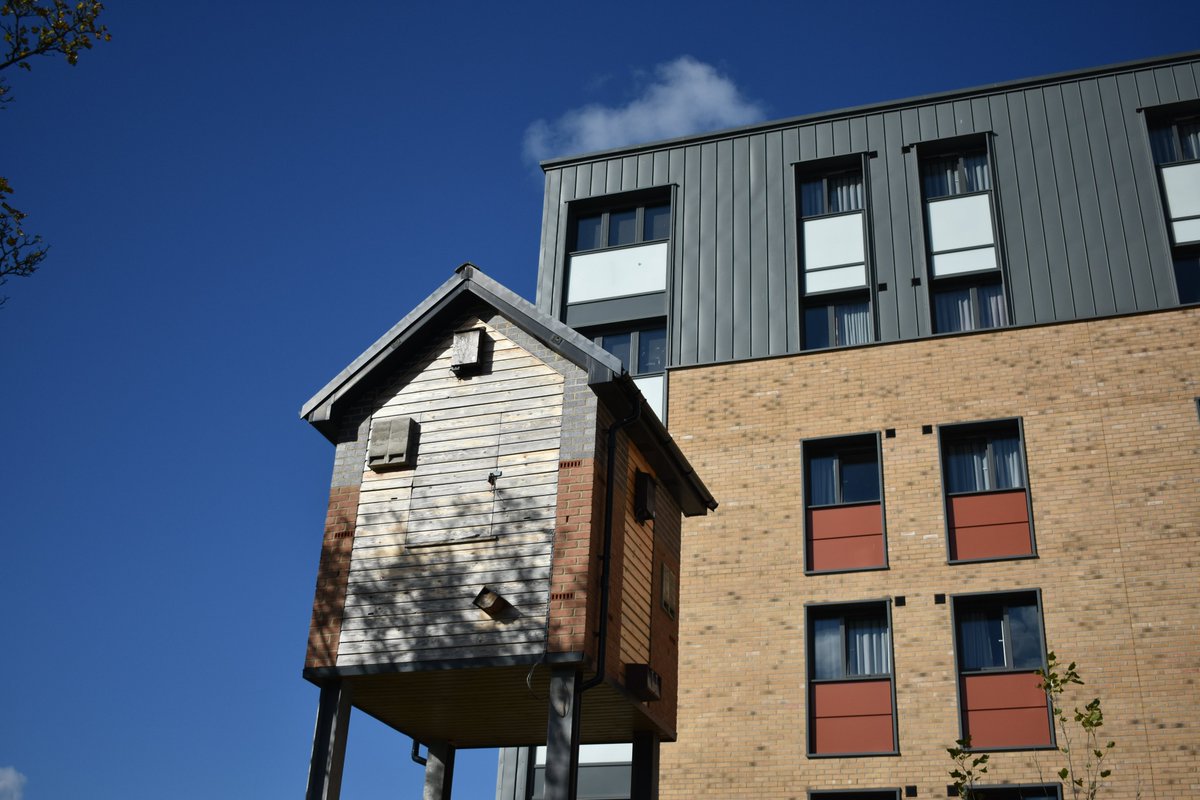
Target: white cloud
[[686, 96], [12, 784]]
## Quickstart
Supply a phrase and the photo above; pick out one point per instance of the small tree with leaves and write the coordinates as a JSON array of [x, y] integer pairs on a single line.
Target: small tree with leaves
[[1084, 772], [969, 767], [33, 28]]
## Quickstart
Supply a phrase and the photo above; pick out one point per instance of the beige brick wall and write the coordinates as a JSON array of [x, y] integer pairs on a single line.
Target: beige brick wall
[[1113, 448]]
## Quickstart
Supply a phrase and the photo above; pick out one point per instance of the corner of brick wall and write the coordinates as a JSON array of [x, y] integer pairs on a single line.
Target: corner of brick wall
[[571, 577], [332, 574]]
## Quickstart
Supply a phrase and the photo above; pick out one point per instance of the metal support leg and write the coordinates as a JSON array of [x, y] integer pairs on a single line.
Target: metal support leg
[[562, 734], [329, 742], [644, 782], [439, 771]]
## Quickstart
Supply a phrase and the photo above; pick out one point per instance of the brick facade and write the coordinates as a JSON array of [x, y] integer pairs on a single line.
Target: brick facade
[[1112, 443], [326, 627]]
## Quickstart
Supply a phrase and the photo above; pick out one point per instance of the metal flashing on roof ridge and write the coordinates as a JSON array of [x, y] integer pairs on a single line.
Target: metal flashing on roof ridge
[[867, 108]]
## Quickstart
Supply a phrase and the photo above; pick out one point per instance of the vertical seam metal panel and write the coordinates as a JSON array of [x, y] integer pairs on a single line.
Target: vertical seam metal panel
[[741, 307], [777, 263], [758, 265], [1068, 203]]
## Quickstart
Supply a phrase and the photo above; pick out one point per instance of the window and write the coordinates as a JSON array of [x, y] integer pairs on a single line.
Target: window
[[843, 508], [999, 645], [643, 354], [868, 794], [833, 229], [1024, 792], [851, 698], [616, 262], [988, 510], [1175, 146], [964, 263], [649, 223]]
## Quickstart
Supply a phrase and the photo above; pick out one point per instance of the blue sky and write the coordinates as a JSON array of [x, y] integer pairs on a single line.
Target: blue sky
[[237, 206]]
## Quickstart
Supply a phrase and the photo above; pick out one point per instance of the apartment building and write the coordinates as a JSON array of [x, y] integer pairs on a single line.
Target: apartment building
[[939, 359]]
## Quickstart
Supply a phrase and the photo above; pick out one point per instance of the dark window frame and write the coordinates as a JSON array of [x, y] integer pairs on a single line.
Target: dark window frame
[[1170, 117], [605, 214], [980, 598], [858, 608], [1165, 120], [823, 169], [995, 790], [854, 794], [635, 330], [960, 148], [975, 430], [854, 442]]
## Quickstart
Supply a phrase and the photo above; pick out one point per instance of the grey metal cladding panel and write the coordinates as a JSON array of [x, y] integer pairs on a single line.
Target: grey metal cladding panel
[[1067, 205], [777, 263], [927, 126], [547, 255], [583, 181], [1087, 190], [645, 170], [1185, 81], [824, 136], [907, 214], [882, 253], [947, 124], [758, 269], [599, 178], [1142, 288], [674, 160], [629, 170], [1120, 281], [1147, 88], [964, 118], [723, 291], [686, 323], [1052, 225], [806, 142], [706, 306], [841, 136], [791, 258], [1028, 202], [1164, 81], [1145, 185], [660, 170], [858, 135], [743, 247], [1016, 246], [612, 184], [981, 113]]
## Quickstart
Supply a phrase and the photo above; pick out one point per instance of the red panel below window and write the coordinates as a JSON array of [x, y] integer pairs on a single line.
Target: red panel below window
[[846, 537], [852, 717], [990, 525], [1005, 710]]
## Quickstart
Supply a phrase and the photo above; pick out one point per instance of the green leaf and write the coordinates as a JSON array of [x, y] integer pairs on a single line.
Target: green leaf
[[1104, 773], [1063, 773]]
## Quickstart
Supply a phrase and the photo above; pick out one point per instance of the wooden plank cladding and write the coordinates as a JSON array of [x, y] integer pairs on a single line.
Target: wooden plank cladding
[[477, 508], [989, 525], [1005, 710], [846, 537], [852, 717]]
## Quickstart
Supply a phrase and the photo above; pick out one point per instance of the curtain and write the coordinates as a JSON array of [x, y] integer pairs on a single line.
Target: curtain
[[845, 193], [1162, 144], [952, 311], [1006, 453], [966, 467], [940, 177], [981, 640], [992, 311], [853, 321], [868, 647], [827, 648], [1189, 136], [812, 198], [821, 480], [977, 175]]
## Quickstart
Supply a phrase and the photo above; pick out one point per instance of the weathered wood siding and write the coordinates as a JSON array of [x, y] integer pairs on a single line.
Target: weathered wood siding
[[429, 537]]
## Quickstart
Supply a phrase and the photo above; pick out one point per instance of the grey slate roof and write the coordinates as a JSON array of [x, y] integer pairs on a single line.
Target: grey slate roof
[[605, 374]]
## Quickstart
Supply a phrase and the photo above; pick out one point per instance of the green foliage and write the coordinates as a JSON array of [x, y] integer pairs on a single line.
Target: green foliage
[[1084, 772], [969, 767], [33, 28]]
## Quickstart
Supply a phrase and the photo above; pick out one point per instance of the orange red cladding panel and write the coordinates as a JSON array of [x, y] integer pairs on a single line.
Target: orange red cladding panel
[[992, 525], [853, 717], [1006, 710], [846, 537]]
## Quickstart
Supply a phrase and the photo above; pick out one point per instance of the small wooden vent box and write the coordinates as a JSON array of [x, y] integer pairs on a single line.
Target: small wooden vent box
[[643, 682], [393, 443], [467, 355]]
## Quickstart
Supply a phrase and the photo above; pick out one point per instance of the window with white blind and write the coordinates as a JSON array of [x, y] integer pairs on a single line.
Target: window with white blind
[[1175, 146], [834, 254], [967, 291]]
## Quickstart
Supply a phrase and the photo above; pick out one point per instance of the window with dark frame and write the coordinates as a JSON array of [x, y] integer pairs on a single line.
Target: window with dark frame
[[843, 500], [999, 646], [865, 794], [642, 351], [1031, 792], [986, 491], [850, 681], [967, 290], [616, 228], [1175, 147], [837, 306]]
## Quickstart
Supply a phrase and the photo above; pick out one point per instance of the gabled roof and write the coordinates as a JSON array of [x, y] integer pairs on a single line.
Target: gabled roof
[[470, 287]]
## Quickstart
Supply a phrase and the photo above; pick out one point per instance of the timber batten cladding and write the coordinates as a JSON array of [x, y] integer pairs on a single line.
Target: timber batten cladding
[[497, 487]]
